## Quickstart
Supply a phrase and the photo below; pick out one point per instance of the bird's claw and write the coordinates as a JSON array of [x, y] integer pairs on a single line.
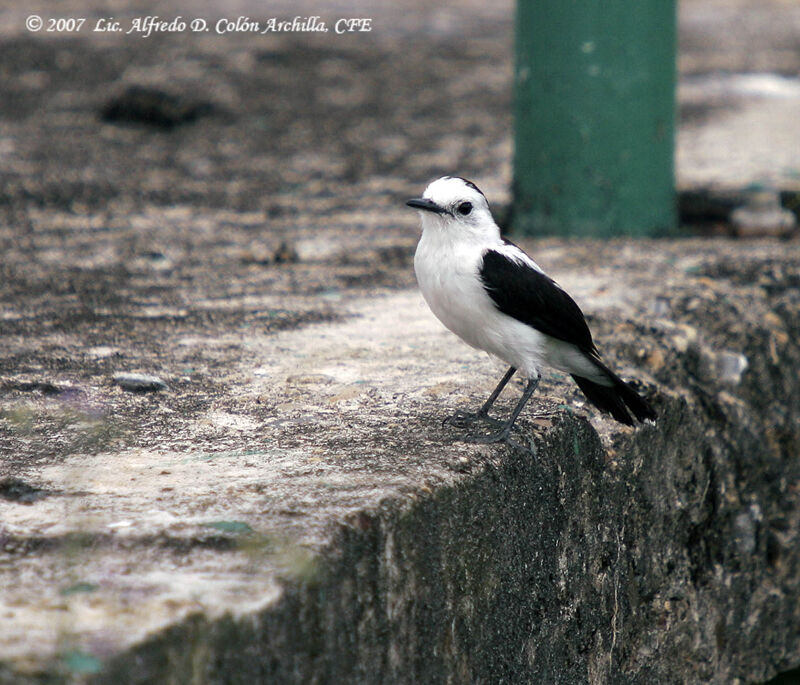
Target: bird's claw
[[464, 419]]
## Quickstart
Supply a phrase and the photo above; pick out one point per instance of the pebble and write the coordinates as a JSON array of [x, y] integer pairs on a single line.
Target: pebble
[[309, 379], [763, 215], [139, 382], [286, 253], [660, 306], [730, 366]]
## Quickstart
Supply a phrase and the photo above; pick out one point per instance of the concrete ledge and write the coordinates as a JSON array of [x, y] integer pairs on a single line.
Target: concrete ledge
[[310, 520]]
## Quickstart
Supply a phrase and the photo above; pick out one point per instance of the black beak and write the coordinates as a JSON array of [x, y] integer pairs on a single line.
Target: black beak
[[427, 205]]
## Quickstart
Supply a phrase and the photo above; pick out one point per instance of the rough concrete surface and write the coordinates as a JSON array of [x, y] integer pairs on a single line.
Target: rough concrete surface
[[222, 456], [296, 511]]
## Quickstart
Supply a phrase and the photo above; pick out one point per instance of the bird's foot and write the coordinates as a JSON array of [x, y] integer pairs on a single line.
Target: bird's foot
[[464, 419]]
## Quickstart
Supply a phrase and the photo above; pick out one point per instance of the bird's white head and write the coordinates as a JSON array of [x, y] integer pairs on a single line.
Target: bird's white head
[[456, 207]]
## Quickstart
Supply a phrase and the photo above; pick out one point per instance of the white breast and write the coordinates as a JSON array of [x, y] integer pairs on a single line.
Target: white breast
[[448, 276], [448, 281]]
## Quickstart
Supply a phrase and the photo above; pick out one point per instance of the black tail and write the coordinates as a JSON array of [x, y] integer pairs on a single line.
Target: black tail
[[616, 399]]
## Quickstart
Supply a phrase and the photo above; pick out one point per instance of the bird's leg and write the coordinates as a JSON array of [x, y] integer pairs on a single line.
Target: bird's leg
[[461, 419], [505, 431]]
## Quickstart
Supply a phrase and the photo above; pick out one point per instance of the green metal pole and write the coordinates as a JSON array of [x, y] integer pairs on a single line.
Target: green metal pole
[[594, 117]]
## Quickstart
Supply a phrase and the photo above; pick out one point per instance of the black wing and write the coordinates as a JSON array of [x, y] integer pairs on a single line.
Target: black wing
[[535, 299]]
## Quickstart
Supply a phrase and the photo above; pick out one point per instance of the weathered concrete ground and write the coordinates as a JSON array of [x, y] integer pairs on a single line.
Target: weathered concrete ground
[[290, 508]]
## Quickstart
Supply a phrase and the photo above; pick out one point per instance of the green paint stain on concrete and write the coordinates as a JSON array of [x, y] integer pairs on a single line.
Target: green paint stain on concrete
[[230, 526], [82, 663], [78, 588]]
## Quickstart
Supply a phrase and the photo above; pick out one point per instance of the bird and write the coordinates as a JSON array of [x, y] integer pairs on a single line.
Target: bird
[[493, 296]]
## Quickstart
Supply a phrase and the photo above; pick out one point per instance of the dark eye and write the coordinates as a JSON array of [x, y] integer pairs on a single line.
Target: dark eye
[[464, 208]]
